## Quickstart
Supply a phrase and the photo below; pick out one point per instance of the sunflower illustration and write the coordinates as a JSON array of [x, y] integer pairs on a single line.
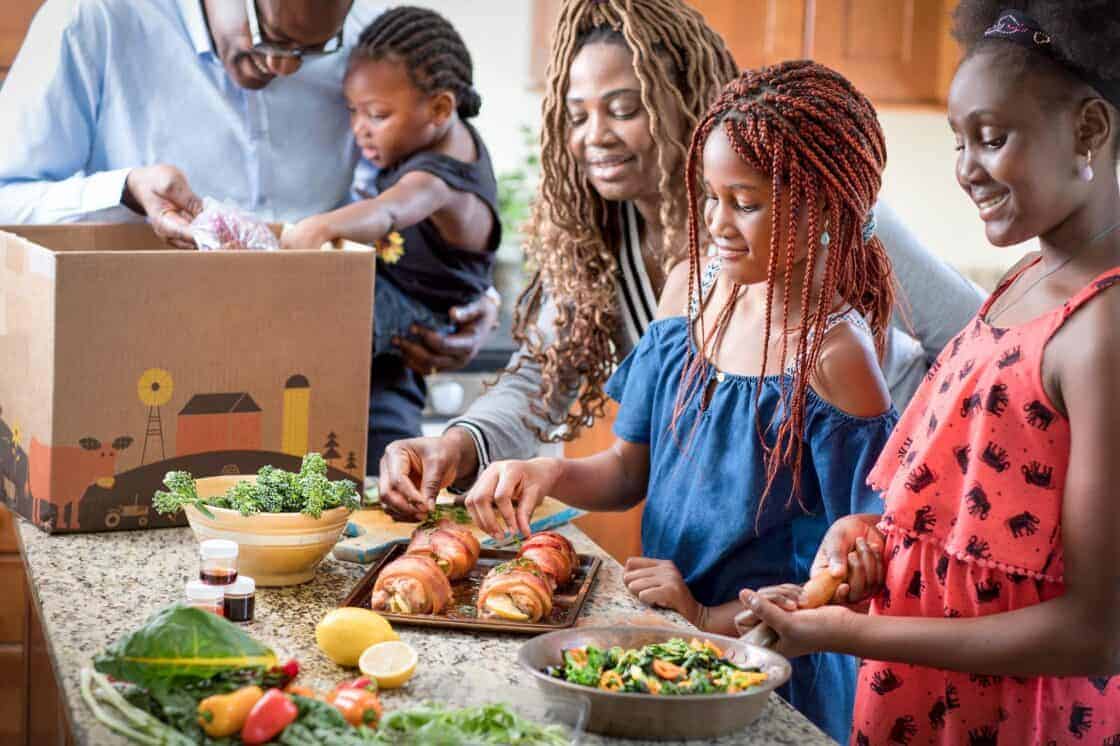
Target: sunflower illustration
[[391, 248], [17, 435]]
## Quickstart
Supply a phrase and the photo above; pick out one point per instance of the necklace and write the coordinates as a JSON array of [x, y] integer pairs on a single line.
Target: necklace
[[1070, 258]]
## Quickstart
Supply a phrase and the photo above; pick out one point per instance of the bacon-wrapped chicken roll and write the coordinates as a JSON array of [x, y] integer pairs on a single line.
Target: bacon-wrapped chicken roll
[[553, 554], [517, 590], [412, 584], [454, 548]]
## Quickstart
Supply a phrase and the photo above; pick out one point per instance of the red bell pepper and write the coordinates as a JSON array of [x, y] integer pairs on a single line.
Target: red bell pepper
[[363, 682], [274, 712]]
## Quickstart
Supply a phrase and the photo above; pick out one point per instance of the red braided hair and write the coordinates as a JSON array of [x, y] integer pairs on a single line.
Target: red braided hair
[[819, 140]]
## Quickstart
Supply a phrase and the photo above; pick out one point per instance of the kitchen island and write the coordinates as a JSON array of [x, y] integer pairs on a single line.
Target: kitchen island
[[93, 588]]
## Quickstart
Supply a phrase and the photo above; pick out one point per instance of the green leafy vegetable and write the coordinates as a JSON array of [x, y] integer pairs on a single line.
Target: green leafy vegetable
[[319, 723], [456, 513], [672, 667], [179, 645], [118, 714], [435, 725], [273, 491]]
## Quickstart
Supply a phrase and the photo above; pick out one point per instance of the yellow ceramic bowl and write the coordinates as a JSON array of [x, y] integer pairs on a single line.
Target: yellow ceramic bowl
[[273, 548]]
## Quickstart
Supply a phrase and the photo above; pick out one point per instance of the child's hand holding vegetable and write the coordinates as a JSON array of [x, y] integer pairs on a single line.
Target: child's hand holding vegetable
[[851, 550], [785, 596], [659, 583], [802, 631]]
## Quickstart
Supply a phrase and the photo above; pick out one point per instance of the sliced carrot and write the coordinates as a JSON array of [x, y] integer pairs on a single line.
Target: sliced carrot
[[667, 670]]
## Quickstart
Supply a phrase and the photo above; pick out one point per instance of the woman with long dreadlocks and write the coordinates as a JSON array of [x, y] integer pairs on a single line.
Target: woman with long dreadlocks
[[750, 423], [628, 81]]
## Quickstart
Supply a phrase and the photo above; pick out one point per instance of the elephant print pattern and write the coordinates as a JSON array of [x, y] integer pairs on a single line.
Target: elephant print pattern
[[972, 482]]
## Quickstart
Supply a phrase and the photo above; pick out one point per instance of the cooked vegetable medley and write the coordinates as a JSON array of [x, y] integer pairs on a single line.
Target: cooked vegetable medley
[[673, 667]]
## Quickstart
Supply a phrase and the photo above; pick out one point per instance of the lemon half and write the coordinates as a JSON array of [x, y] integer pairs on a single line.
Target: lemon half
[[392, 663], [344, 633], [504, 607]]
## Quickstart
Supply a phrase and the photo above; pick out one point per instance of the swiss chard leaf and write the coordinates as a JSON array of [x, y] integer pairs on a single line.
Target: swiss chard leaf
[[180, 645]]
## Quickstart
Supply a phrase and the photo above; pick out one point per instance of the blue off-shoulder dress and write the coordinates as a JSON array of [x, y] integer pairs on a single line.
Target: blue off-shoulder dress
[[702, 503]]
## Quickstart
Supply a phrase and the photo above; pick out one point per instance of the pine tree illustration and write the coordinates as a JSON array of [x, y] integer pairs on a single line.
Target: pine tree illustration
[[330, 450]]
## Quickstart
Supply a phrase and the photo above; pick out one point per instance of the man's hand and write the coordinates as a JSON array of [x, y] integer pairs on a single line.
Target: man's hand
[[162, 193], [432, 351]]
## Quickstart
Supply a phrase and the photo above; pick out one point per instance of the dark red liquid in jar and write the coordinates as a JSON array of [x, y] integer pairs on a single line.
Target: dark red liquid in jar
[[239, 608], [217, 576]]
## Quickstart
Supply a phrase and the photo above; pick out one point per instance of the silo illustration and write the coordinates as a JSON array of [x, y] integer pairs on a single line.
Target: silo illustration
[[297, 416]]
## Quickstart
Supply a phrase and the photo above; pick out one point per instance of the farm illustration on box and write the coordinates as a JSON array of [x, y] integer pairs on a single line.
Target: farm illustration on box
[[106, 481]]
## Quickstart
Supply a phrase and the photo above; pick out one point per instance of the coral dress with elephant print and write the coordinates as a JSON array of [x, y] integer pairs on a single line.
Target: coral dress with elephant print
[[973, 479]]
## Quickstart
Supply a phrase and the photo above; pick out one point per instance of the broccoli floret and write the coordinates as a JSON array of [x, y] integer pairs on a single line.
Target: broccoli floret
[[245, 497], [313, 464], [182, 491], [316, 491], [343, 493], [282, 488]]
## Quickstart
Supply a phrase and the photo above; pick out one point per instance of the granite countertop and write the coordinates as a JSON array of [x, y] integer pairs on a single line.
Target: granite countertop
[[93, 588]]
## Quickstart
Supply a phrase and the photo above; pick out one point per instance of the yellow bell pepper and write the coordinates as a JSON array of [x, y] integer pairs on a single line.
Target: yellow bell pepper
[[224, 714]]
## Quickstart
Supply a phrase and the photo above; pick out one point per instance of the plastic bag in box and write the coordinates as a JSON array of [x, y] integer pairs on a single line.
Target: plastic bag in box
[[226, 227]]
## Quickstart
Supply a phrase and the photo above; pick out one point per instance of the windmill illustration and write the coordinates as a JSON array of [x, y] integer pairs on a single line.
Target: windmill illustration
[[154, 388]]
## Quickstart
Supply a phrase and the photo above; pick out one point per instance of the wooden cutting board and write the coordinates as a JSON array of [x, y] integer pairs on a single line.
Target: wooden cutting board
[[371, 530]]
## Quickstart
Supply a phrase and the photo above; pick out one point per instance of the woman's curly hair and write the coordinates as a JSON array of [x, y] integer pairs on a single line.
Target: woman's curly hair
[[572, 231]]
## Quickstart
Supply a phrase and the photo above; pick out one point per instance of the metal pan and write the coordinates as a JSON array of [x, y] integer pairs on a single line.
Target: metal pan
[[461, 613]]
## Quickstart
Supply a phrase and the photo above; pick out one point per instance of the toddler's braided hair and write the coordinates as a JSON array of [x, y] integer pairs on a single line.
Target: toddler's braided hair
[[681, 64], [430, 49], [818, 141]]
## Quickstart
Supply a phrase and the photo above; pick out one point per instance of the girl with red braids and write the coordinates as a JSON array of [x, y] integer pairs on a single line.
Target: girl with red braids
[[998, 620], [753, 408]]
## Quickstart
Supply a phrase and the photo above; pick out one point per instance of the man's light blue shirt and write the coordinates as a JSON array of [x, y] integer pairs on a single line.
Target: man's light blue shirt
[[103, 86]]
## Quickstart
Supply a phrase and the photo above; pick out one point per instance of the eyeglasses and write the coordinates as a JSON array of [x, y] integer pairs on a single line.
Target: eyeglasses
[[291, 51]]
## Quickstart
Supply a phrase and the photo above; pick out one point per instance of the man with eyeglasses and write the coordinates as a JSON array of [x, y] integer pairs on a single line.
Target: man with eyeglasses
[[115, 109], [119, 109]]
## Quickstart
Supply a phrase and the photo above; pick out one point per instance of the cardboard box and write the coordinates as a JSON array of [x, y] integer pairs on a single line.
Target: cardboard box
[[121, 360]]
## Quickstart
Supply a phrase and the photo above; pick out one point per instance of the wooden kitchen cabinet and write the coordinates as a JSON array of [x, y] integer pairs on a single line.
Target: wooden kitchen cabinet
[[15, 17], [895, 51], [31, 711]]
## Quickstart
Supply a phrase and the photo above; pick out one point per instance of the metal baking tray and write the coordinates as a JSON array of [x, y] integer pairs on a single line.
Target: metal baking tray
[[461, 613]]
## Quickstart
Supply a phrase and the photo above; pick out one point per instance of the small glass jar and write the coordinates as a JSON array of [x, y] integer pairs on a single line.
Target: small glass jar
[[218, 561], [206, 597], [240, 599]]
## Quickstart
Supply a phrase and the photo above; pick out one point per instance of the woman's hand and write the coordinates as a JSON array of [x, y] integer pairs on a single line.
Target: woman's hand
[[659, 583], [799, 632], [431, 351], [412, 472], [852, 549], [308, 234], [511, 490]]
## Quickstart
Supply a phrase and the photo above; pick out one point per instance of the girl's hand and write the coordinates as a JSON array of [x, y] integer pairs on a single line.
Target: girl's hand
[[659, 583], [308, 234], [506, 484], [853, 549], [800, 632], [787, 596]]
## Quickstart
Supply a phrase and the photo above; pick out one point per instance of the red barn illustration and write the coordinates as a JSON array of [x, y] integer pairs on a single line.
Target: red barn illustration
[[218, 422], [74, 468]]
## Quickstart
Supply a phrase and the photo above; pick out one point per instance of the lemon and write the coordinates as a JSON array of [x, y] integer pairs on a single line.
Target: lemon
[[344, 633], [392, 663], [503, 606]]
